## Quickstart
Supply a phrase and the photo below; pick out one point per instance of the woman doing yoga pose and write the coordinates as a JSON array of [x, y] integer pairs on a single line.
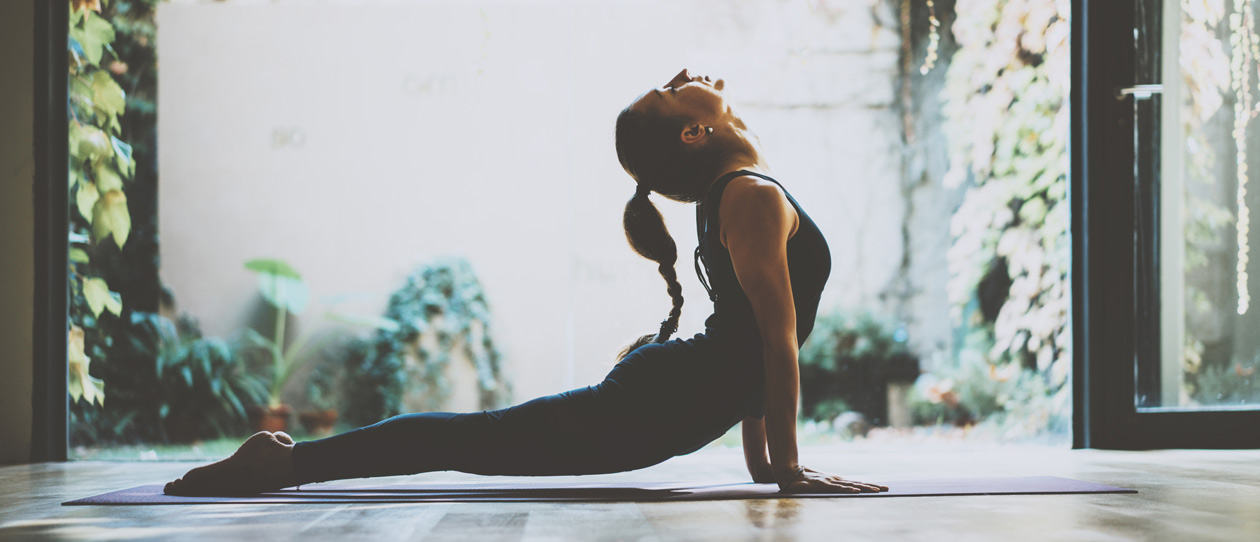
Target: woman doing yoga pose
[[764, 264]]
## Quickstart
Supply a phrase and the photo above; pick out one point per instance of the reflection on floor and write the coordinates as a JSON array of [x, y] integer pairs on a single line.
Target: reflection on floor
[[1183, 495]]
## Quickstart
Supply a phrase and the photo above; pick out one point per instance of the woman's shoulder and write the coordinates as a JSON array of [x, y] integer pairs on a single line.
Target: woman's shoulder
[[744, 182], [754, 189], [756, 203]]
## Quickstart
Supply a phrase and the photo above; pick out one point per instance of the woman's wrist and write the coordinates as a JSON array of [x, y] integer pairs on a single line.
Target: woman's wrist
[[785, 477]]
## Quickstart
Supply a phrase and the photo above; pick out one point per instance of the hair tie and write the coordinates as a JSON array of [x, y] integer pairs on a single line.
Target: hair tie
[[642, 191]]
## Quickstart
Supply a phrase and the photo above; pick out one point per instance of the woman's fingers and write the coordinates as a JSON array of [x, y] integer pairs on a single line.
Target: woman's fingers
[[823, 485], [819, 485], [864, 485], [860, 487], [837, 482], [812, 481], [868, 487]]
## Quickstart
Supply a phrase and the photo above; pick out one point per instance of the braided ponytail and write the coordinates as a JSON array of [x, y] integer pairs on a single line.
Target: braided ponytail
[[649, 237]]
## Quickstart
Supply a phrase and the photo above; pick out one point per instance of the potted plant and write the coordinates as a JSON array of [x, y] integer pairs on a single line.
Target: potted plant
[[857, 362], [283, 288], [321, 384]]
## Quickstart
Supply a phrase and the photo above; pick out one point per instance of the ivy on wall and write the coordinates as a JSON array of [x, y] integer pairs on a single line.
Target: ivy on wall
[[1005, 98], [100, 164]]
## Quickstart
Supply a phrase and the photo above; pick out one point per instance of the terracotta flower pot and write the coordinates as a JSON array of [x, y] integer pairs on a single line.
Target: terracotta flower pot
[[318, 423], [269, 418]]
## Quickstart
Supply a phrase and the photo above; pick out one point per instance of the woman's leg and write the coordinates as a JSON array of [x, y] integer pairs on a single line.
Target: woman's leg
[[567, 433], [537, 438], [646, 410]]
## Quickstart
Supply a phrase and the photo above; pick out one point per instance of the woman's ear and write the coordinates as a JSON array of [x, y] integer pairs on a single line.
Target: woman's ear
[[692, 133]]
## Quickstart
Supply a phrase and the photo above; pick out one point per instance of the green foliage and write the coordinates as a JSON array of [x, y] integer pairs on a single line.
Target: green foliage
[[100, 298], [282, 286], [1236, 384], [80, 383], [1006, 105], [207, 386], [90, 35], [1014, 399], [446, 299], [168, 384], [100, 163], [322, 384], [847, 363]]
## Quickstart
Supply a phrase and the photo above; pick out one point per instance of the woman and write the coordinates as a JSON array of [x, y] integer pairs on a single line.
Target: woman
[[766, 264]]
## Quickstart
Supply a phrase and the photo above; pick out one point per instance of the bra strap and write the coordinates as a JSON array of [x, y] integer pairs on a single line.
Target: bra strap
[[702, 229]]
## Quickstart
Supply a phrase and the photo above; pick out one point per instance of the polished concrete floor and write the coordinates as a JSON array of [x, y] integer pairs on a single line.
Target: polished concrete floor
[[1184, 495]]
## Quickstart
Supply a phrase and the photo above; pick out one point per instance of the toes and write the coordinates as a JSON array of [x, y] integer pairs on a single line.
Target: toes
[[284, 438]]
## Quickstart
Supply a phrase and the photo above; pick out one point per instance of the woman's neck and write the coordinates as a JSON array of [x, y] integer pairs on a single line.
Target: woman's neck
[[744, 154]]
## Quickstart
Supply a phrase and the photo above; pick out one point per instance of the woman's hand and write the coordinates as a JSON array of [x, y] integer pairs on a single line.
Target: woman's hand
[[808, 480]]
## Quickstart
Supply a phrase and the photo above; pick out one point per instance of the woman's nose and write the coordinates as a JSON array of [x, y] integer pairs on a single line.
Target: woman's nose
[[679, 80]]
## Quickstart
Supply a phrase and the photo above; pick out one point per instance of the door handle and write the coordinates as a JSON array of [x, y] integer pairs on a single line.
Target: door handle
[[1140, 92]]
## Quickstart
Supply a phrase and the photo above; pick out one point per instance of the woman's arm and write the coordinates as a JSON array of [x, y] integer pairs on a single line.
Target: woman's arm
[[757, 221], [755, 451]]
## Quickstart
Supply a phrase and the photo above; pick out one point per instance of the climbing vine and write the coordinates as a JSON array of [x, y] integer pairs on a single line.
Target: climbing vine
[[100, 165], [1005, 99]]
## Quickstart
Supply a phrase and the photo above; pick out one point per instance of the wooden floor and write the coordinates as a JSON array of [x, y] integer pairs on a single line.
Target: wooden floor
[[1183, 496]]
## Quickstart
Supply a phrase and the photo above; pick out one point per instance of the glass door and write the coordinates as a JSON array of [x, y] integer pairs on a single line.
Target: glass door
[[1199, 332], [1173, 334]]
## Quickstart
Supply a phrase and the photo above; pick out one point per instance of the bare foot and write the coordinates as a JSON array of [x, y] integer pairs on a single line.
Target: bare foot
[[263, 463]]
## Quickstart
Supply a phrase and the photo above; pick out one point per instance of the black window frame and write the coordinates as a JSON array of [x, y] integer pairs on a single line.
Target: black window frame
[[50, 408], [1115, 258]]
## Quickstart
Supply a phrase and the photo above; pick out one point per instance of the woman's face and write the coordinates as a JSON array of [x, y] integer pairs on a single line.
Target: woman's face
[[688, 96]]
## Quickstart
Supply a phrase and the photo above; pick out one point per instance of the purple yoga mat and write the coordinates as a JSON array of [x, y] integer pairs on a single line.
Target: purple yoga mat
[[596, 492]]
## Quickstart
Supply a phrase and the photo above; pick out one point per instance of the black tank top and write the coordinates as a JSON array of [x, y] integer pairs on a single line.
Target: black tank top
[[732, 323]]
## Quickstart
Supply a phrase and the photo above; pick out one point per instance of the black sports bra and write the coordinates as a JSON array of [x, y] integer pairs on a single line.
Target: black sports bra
[[809, 265]]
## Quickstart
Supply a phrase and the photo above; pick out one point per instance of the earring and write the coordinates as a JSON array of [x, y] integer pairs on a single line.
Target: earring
[[708, 130]]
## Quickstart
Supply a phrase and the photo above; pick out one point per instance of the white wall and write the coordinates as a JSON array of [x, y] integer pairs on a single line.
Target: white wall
[[17, 227], [486, 130]]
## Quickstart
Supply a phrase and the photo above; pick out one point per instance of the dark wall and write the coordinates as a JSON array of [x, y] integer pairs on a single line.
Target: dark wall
[[17, 227]]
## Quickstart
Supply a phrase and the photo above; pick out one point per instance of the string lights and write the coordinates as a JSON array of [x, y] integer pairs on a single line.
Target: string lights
[[1245, 48], [934, 39]]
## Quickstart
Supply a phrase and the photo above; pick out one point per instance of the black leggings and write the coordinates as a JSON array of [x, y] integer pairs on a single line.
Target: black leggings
[[661, 400]]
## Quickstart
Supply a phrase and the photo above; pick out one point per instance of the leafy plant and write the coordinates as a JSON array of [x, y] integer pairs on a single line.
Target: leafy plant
[[1006, 102], [976, 391], [446, 299], [100, 163], [170, 384], [321, 386], [1234, 384], [847, 363], [283, 288], [205, 384]]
